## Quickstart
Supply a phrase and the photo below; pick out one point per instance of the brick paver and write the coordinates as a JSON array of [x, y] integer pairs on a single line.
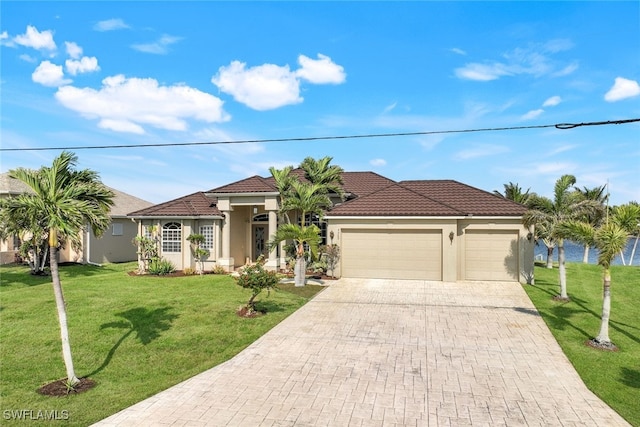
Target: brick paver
[[390, 353]]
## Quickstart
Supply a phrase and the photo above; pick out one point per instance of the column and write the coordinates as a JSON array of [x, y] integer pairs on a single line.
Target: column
[[226, 261], [272, 262]]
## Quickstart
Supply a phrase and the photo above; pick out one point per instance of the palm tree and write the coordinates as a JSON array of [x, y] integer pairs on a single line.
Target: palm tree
[[628, 217], [283, 179], [64, 200], [545, 215], [609, 238], [329, 177], [514, 192], [598, 195], [302, 236]]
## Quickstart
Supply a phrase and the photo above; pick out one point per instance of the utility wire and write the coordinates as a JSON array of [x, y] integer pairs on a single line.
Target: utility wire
[[562, 126]]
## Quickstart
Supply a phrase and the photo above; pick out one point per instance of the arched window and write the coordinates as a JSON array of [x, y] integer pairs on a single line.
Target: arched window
[[171, 237]]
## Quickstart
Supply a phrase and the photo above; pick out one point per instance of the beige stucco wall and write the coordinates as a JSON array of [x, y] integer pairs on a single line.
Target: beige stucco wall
[[111, 247], [452, 250]]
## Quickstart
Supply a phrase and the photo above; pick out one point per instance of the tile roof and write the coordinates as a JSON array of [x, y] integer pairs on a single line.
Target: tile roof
[[392, 200], [429, 198], [10, 185], [196, 204], [465, 198], [254, 184]]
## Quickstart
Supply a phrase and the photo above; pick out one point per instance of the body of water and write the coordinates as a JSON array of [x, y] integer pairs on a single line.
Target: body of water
[[574, 251]]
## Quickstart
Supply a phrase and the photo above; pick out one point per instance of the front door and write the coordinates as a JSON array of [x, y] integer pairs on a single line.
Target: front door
[[259, 241]]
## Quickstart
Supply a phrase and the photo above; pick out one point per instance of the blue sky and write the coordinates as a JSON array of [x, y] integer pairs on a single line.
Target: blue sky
[[124, 73]]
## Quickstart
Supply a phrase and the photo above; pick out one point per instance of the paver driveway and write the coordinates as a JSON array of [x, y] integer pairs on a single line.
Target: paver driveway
[[382, 352]]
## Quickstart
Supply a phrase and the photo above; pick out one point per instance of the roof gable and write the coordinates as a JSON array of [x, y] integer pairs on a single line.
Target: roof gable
[[253, 184], [196, 204], [393, 200], [465, 198]]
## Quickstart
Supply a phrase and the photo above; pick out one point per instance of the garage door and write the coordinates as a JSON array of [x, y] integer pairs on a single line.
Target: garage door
[[392, 254], [491, 255]]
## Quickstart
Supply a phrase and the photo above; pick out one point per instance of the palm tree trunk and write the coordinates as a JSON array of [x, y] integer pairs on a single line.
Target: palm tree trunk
[[585, 255], [62, 317], [549, 256], [562, 271], [633, 251], [300, 271], [603, 336]]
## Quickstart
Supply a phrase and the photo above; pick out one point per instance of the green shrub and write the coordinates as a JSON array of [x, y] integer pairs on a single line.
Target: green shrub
[[161, 267], [256, 278]]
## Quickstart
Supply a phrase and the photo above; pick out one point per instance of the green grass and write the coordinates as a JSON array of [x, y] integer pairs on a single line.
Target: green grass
[[134, 336], [613, 376]]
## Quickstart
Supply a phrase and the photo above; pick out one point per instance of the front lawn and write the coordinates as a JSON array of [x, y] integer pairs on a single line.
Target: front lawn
[[134, 335], [613, 376]]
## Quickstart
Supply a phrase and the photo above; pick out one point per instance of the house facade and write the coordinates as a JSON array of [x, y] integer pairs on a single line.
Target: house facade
[[439, 230], [115, 245]]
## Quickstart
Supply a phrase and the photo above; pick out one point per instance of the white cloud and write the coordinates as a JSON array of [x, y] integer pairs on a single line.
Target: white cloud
[[73, 50], [378, 162], [320, 71], [481, 151], [159, 47], [270, 86], [482, 72], [49, 74], [532, 60], [127, 104], [110, 25], [35, 39], [532, 114], [458, 51], [622, 89], [552, 102], [84, 65], [28, 58], [264, 87]]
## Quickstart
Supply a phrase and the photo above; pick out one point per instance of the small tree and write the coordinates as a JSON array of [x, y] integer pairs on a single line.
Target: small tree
[[199, 253], [331, 255], [256, 278], [148, 248]]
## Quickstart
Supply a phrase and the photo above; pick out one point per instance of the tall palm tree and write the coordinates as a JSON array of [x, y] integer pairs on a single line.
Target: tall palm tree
[[595, 217], [628, 217], [320, 172], [283, 179], [64, 200], [514, 192], [609, 238], [545, 215]]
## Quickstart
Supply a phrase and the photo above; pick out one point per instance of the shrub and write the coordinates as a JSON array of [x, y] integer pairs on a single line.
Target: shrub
[[161, 267], [218, 269], [256, 278], [188, 271]]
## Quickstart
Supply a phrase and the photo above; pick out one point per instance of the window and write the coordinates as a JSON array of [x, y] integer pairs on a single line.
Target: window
[[207, 232], [322, 225], [116, 229], [171, 237]]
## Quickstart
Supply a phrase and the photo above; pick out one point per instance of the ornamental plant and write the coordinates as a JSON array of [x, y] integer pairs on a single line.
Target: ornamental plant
[[256, 278]]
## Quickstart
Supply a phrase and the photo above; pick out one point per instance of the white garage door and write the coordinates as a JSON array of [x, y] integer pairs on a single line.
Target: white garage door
[[491, 255], [392, 254]]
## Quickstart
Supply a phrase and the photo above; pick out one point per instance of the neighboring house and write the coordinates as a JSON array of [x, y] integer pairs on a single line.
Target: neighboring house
[[115, 245], [433, 230]]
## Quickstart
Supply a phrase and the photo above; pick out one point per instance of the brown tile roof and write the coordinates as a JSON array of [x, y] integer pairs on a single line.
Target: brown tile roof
[[254, 184], [196, 204], [363, 183], [429, 198], [465, 198], [393, 200]]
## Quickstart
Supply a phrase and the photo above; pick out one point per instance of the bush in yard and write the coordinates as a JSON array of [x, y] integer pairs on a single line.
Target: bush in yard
[[161, 267], [256, 278]]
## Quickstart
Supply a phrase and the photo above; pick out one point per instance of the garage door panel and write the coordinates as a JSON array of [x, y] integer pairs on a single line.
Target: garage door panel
[[392, 254], [491, 255]]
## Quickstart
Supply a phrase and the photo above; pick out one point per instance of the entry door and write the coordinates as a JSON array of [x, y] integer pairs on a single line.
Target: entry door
[[260, 240]]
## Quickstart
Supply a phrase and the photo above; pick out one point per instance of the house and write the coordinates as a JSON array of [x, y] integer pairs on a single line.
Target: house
[[433, 229], [115, 245]]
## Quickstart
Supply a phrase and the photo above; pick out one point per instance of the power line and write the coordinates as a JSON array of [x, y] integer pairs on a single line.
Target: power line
[[562, 126]]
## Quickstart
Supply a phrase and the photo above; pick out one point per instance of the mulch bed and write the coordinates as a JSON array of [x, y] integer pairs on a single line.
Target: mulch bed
[[59, 387], [605, 346]]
